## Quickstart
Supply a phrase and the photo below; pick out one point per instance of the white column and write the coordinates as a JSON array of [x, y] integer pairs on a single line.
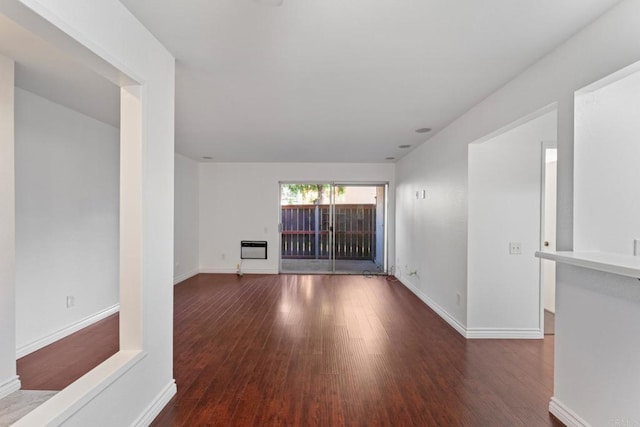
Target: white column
[[131, 218], [8, 380]]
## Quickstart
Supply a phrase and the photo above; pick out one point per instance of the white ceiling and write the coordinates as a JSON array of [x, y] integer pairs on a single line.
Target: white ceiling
[[327, 80]]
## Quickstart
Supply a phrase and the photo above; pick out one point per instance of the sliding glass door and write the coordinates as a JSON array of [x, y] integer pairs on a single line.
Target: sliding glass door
[[332, 228]]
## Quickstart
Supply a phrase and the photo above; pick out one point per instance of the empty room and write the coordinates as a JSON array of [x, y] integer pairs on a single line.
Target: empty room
[[293, 212]]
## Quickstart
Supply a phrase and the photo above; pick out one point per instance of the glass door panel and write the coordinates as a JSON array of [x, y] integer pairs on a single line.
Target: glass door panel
[[306, 224], [333, 228], [359, 228]]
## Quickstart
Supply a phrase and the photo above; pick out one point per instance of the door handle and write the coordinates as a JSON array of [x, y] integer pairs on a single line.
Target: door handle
[[546, 243]]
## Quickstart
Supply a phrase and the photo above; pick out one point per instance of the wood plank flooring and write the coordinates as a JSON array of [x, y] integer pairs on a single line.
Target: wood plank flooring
[[342, 350], [59, 364], [321, 350]]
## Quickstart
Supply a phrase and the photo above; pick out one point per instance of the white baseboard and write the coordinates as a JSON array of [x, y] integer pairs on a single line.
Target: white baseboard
[[435, 307], [473, 333], [521, 334], [184, 276], [9, 386], [152, 411], [233, 270], [75, 327], [566, 415]]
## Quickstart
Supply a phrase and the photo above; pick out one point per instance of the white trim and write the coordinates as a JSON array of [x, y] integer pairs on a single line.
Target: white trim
[[158, 404], [73, 398], [184, 276], [623, 265], [475, 333], [517, 123], [233, 271], [64, 332], [435, 307], [9, 386], [545, 145], [497, 333], [566, 415]]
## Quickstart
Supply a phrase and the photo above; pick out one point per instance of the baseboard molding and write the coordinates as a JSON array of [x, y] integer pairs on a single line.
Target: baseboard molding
[[75, 327], [521, 334], [566, 415], [157, 405], [233, 271], [435, 307], [184, 276], [9, 386]]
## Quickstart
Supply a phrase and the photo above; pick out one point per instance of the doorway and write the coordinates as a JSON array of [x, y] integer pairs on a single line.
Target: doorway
[[548, 237], [333, 227]]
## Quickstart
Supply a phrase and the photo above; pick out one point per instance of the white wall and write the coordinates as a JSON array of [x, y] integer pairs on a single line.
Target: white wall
[[505, 179], [597, 313], [607, 206], [66, 217], [240, 201], [603, 47], [431, 233], [138, 380], [596, 374], [8, 379], [440, 164], [186, 219]]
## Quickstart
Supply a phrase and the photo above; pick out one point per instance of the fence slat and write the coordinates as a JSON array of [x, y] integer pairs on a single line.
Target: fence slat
[[354, 225]]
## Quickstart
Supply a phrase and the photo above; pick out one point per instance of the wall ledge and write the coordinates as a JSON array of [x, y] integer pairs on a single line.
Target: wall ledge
[[623, 265], [70, 400]]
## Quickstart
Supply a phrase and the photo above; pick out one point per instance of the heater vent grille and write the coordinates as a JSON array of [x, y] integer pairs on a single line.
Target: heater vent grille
[[253, 249]]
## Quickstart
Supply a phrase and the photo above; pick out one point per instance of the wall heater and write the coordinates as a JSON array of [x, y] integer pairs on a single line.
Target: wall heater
[[253, 249]]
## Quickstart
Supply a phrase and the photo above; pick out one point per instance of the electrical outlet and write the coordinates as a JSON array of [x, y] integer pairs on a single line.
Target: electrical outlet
[[71, 301], [223, 256], [515, 248]]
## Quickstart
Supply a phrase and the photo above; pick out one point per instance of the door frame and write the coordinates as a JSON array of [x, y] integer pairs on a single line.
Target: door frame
[[543, 176], [333, 184]]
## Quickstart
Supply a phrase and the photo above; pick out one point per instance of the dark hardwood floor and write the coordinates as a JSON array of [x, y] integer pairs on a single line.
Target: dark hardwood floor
[[342, 350], [57, 365], [322, 350]]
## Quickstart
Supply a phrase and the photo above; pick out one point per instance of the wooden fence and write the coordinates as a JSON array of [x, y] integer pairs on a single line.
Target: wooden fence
[[355, 232]]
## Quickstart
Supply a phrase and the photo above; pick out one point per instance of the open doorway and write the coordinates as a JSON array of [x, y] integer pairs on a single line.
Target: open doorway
[[505, 297], [548, 237], [333, 228]]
